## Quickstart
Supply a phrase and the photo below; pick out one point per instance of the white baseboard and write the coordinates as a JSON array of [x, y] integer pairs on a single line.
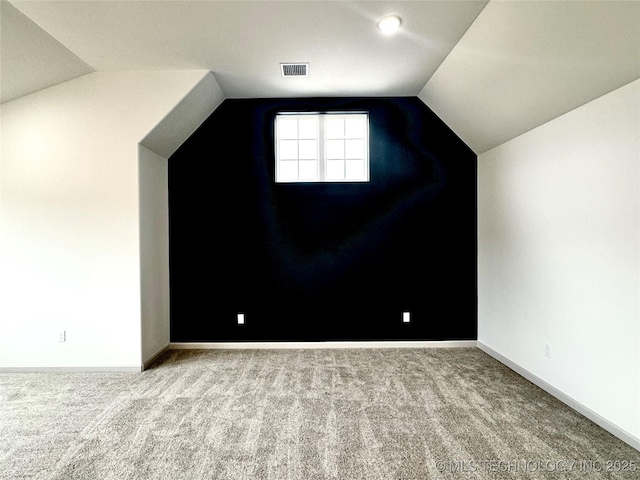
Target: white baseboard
[[613, 429], [116, 369], [321, 345], [243, 345], [154, 357]]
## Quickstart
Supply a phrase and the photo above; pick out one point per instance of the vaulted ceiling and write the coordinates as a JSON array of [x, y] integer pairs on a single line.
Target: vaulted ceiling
[[490, 70]]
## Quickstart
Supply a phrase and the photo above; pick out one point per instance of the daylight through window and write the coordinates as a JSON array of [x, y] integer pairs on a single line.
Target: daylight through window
[[322, 147]]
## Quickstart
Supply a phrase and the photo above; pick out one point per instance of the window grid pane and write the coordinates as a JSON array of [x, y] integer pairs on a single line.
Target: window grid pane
[[335, 169], [308, 150], [334, 126], [308, 170], [288, 170], [354, 149], [354, 169], [288, 149], [308, 128], [288, 128], [354, 127], [334, 149]]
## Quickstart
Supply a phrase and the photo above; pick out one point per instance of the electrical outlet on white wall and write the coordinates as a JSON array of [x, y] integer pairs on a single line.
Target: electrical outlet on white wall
[[62, 336], [547, 350]]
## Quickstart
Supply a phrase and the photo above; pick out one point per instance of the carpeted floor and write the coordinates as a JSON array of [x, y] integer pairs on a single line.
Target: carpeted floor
[[401, 414]]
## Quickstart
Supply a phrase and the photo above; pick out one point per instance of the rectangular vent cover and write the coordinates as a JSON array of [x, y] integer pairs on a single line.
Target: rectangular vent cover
[[294, 69]]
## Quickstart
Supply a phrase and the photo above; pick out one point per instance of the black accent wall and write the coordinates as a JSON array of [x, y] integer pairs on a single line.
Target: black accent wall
[[323, 261]]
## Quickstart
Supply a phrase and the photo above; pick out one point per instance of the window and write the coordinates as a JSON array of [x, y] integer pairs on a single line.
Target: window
[[322, 147]]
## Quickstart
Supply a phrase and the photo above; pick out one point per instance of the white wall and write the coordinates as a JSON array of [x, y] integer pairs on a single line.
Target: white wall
[[559, 254], [155, 149], [154, 251], [69, 218]]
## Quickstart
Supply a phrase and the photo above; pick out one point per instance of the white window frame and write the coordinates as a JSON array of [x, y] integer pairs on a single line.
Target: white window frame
[[323, 139]]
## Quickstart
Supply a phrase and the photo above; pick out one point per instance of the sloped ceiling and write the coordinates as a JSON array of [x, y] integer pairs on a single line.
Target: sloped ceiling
[[30, 58], [491, 71], [522, 64]]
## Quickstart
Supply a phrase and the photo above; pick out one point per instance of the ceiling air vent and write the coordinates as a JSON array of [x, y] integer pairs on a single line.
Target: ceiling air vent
[[294, 69]]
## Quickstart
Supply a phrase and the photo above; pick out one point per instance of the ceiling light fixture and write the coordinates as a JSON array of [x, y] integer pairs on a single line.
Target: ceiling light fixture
[[389, 24]]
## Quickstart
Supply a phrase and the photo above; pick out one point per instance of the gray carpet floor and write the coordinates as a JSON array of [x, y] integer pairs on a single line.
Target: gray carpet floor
[[401, 414]]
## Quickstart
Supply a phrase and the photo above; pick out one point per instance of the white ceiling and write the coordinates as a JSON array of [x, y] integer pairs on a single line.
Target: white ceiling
[[243, 42], [30, 58], [522, 64], [491, 71]]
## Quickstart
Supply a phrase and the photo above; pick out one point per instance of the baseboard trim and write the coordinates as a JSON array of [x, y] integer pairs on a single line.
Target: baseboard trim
[[121, 369], [320, 345], [155, 357], [613, 429]]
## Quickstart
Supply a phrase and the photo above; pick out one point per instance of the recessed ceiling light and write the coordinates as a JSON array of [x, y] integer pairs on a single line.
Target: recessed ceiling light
[[389, 24]]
